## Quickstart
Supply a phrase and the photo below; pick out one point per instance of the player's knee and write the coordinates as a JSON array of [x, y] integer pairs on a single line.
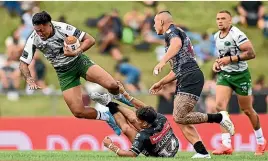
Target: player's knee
[[126, 128], [220, 106], [112, 86], [179, 120], [78, 113], [132, 120], [249, 111]]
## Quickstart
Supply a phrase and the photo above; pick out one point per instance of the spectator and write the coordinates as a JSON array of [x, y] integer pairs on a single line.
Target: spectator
[[147, 29], [259, 83], [251, 13], [14, 46], [110, 28], [259, 97], [134, 19], [132, 74], [205, 50], [10, 78], [13, 8]]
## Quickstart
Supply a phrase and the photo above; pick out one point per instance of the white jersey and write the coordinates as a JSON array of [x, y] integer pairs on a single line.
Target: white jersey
[[229, 46], [52, 48]]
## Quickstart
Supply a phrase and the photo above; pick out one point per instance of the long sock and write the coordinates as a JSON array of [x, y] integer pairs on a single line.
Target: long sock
[[102, 116], [200, 148], [214, 118], [226, 139], [259, 136], [120, 97]]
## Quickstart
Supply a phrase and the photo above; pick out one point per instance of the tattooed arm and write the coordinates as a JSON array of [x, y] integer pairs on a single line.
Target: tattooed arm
[[27, 75], [26, 59], [248, 52]]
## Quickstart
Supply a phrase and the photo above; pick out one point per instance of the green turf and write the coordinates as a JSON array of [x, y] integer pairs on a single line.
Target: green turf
[[197, 16], [109, 156]]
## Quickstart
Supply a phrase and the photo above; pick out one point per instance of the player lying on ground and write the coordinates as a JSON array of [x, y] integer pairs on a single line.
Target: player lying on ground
[[149, 131], [49, 36]]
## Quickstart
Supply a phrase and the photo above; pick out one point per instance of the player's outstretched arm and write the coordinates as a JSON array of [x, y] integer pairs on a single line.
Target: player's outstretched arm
[[137, 103], [123, 153], [159, 85], [27, 75]]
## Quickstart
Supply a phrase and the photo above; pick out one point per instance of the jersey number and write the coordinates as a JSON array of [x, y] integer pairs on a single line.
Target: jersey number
[[169, 149]]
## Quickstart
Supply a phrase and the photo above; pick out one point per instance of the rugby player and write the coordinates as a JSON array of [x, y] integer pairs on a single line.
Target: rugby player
[[234, 49], [190, 81], [49, 36]]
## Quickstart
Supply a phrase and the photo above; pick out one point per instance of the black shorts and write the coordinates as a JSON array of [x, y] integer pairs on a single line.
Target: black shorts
[[191, 83]]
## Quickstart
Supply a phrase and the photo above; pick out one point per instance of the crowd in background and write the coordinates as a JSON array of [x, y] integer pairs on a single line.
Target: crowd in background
[[135, 28]]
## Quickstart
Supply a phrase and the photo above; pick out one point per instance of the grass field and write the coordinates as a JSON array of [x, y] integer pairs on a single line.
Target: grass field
[[109, 156]]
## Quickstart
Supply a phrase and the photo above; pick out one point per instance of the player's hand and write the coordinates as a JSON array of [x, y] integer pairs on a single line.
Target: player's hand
[[216, 67], [68, 52], [158, 68], [155, 88], [122, 89], [224, 61], [107, 141], [32, 85]]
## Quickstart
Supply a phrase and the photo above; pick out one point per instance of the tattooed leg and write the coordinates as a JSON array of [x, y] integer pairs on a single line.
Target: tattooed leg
[[183, 111]]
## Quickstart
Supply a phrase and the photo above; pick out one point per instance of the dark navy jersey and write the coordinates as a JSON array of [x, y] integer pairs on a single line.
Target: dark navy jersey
[[184, 60], [157, 140]]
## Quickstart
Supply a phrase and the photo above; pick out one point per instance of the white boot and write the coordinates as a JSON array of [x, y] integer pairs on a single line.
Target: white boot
[[198, 155]]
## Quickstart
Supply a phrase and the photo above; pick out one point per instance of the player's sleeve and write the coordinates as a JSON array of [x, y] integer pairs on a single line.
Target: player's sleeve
[[171, 34], [138, 144], [239, 37], [71, 30], [29, 50]]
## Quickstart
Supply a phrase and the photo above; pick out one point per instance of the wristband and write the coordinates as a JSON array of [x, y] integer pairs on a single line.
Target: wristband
[[110, 145], [131, 99], [117, 151], [231, 59]]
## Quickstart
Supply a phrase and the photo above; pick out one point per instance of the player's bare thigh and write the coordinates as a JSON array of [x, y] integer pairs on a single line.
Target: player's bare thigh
[[127, 129], [73, 98], [223, 95], [130, 116], [98, 75]]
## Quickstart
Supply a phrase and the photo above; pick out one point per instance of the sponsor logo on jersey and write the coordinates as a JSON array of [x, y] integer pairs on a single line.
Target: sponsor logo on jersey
[[158, 136], [70, 28], [227, 43]]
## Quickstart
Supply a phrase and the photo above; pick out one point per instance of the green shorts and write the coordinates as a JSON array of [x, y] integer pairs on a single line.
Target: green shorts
[[240, 82], [69, 76]]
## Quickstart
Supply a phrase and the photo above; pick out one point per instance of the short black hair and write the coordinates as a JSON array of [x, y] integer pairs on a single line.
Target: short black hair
[[41, 18], [147, 114], [225, 11], [164, 12]]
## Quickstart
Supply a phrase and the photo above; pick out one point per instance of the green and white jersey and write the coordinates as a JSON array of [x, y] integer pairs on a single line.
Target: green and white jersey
[[52, 48], [229, 46]]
